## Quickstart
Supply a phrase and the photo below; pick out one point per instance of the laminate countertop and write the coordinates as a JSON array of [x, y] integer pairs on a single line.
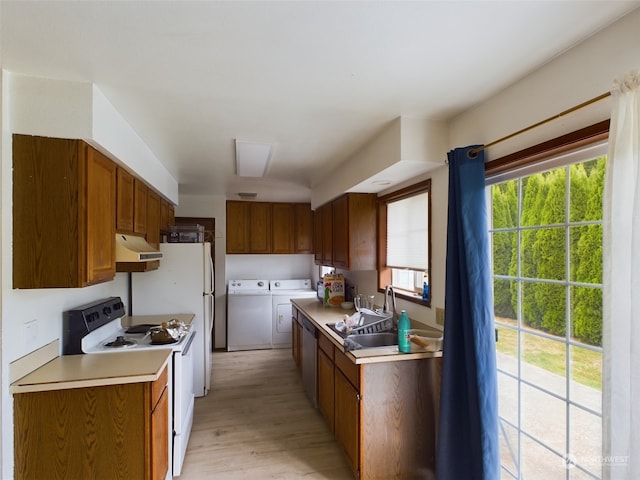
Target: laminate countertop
[[320, 316], [79, 371]]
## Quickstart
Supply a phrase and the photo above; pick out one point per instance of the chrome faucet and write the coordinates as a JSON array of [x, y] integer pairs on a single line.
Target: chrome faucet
[[389, 290]]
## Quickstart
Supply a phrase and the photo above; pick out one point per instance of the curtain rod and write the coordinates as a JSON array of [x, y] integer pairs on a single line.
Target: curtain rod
[[475, 151]]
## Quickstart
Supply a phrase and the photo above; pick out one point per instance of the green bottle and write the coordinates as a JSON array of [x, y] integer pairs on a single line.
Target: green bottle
[[404, 344]]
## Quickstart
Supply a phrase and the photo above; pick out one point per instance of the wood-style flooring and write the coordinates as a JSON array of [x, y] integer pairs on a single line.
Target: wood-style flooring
[[257, 423]]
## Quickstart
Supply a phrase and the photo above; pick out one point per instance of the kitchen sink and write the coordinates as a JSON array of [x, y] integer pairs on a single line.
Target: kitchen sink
[[369, 340]]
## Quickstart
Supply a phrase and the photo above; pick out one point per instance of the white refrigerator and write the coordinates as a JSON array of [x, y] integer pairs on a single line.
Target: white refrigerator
[[184, 283]]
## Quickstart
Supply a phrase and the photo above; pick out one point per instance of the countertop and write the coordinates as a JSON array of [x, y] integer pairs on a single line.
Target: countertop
[[321, 316], [78, 371]]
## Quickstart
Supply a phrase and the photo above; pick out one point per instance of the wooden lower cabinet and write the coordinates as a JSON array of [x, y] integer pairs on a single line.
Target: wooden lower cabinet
[[326, 388], [111, 432], [347, 420], [383, 415]]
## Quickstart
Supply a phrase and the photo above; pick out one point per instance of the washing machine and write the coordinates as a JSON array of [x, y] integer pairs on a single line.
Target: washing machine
[[282, 291], [249, 320]]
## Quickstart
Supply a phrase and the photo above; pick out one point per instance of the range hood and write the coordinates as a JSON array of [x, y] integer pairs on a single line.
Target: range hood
[[133, 248]]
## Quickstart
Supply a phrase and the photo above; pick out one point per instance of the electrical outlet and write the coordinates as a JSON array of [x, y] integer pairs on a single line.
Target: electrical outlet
[[440, 316]]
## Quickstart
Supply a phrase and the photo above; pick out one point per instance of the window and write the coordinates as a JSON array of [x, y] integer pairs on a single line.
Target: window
[[404, 253], [546, 234]]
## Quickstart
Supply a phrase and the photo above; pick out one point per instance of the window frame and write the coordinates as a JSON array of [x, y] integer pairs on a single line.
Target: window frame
[[524, 163], [384, 272]]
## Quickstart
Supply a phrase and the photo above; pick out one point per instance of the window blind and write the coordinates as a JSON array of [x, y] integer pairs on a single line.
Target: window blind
[[407, 241]]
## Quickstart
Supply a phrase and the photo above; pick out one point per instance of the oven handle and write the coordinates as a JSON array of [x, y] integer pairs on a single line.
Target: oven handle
[[187, 346]]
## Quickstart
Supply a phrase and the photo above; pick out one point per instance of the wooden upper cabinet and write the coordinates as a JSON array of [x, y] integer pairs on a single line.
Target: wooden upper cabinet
[[260, 227], [317, 235], [283, 228], [348, 232], [64, 199], [125, 202], [340, 234], [141, 193], [237, 227], [153, 219], [269, 228], [327, 234], [303, 216], [101, 202], [167, 216], [131, 211]]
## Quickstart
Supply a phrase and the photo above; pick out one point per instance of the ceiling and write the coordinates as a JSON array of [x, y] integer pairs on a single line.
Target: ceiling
[[317, 79]]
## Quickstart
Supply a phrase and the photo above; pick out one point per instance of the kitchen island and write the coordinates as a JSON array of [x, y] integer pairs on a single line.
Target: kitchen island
[[381, 405]]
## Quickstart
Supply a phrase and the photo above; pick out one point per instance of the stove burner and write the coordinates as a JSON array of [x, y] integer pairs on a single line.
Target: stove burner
[[120, 342]]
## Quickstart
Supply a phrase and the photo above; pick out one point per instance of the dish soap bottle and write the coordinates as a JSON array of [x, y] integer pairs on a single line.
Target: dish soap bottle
[[404, 344], [425, 291]]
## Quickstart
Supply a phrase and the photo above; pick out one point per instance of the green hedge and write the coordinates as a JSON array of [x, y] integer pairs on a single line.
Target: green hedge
[[543, 251]]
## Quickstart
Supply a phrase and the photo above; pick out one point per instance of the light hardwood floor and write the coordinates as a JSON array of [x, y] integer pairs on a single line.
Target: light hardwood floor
[[256, 423]]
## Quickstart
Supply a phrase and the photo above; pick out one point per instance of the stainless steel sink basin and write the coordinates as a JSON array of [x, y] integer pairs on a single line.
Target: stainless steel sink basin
[[369, 340]]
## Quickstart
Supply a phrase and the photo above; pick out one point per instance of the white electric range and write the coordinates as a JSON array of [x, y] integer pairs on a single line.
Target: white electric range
[[96, 328]]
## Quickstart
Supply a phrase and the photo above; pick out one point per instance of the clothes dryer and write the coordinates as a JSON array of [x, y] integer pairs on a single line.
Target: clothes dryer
[[282, 291]]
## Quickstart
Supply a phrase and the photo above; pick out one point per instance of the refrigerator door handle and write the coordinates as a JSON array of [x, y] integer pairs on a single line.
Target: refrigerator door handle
[[212, 289]]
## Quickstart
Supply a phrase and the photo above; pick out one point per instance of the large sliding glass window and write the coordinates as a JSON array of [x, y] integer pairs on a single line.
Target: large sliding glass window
[[546, 232]]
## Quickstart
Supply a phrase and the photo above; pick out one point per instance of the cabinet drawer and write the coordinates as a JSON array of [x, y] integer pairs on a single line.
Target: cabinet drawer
[[348, 368], [325, 345], [158, 387]]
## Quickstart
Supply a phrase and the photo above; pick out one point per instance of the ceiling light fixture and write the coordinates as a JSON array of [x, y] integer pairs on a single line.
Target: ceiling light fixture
[[381, 182], [252, 158]]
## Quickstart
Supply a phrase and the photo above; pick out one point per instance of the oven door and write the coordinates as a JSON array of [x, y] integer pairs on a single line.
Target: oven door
[[183, 399]]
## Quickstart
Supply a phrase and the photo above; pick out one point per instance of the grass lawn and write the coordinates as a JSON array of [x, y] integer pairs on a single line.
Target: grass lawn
[[586, 365]]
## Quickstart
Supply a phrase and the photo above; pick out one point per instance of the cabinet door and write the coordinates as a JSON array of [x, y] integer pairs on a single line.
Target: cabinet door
[[159, 447], [282, 228], [64, 201], [153, 219], [303, 228], [101, 203], [166, 216], [124, 205], [361, 242], [317, 236], [347, 419], [140, 207], [326, 379], [327, 234], [340, 212], [237, 227], [260, 227]]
